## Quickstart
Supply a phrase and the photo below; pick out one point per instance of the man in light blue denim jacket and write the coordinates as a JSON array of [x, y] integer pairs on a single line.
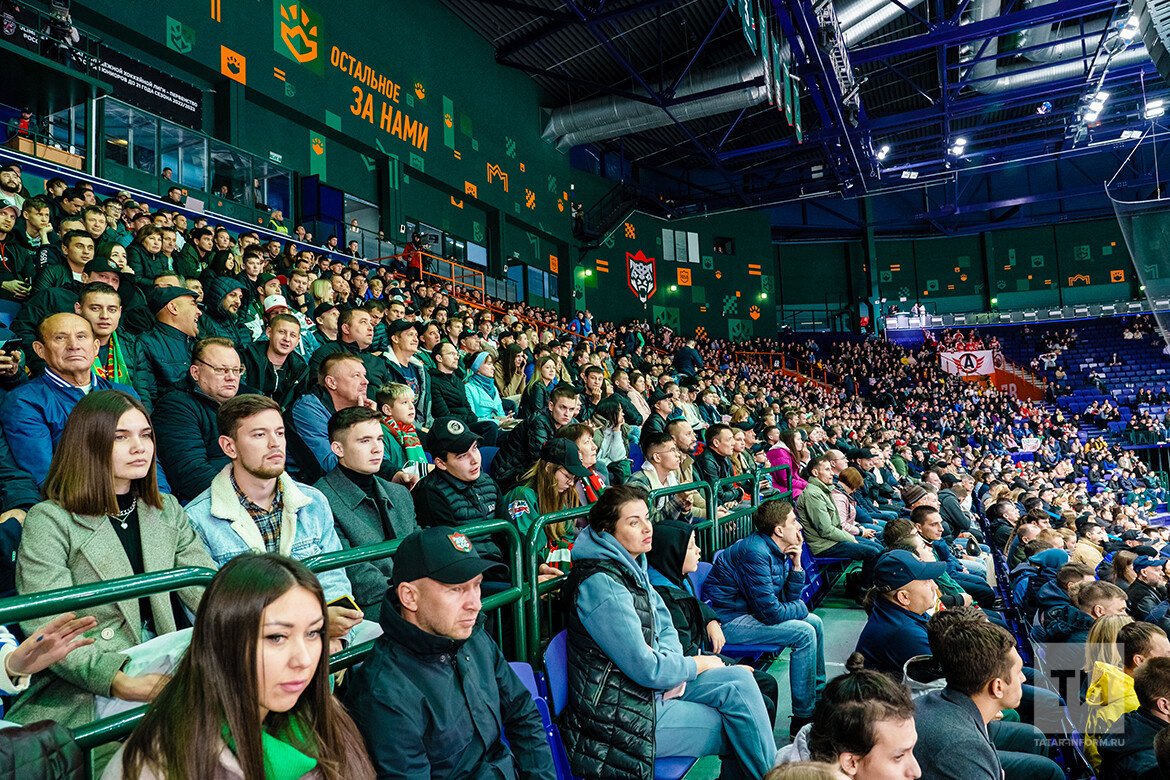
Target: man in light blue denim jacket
[[254, 506]]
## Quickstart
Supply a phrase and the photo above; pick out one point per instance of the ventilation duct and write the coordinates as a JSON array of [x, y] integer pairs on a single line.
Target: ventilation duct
[[611, 117]]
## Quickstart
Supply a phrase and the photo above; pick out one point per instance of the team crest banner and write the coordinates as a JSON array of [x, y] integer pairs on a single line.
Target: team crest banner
[[968, 363], [641, 276]]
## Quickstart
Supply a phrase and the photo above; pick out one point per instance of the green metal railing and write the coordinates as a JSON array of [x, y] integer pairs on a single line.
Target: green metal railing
[[523, 597]]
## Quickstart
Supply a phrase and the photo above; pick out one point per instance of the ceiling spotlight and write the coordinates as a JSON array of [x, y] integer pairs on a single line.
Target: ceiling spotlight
[[1130, 135], [1155, 111], [1096, 106], [1101, 95], [1130, 30], [960, 142], [910, 175], [1091, 116], [883, 152]]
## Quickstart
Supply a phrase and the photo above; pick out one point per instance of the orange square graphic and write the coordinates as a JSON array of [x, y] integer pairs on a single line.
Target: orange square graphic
[[1117, 275], [554, 264], [684, 277], [233, 65]]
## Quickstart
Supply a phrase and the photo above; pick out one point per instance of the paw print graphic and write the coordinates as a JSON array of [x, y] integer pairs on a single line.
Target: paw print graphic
[[420, 91], [754, 312], [318, 145], [448, 120], [233, 64]]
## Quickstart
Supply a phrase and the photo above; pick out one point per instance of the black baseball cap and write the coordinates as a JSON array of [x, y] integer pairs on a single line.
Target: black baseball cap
[[863, 454], [898, 568], [564, 453], [441, 553], [1147, 562], [659, 395], [394, 327], [159, 297], [450, 434], [102, 265]]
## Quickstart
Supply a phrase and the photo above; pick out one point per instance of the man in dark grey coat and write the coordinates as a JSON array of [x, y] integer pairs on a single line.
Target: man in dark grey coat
[[366, 508], [984, 675]]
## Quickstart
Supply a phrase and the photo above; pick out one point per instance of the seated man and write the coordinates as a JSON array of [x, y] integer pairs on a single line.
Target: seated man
[[660, 470], [457, 491], [341, 384], [163, 353], [904, 595], [1059, 601], [521, 449], [274, 367], [33, 415], [434, 646], [1129, 755], [224, 298], [367, 509], [449, 393], [254, 506], [687, 442], [714, 463], [185, 419], [984, 675], [755, 588], [821, 522], [928, 520], [1090, 602], [1149, 589]]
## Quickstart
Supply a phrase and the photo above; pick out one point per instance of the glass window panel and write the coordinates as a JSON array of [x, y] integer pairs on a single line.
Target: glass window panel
[[693, 247], [680, 246], [144, 141], [231, 173], [667, 245], [551, 279], [116, 124]]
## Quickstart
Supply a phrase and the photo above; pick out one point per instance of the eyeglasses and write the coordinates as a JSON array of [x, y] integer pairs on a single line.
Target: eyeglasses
[[222, 371]]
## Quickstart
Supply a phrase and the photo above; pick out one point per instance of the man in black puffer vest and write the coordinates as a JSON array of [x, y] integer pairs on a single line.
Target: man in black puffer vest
[[435, 694]]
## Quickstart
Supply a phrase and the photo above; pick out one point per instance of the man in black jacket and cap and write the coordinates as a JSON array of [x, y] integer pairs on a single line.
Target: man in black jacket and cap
[[1149, 589], [434, 646], [164, 352], [1130, 753]]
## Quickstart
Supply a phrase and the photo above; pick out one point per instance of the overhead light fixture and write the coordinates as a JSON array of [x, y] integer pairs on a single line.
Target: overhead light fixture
[[909, 174], [883, 152], [1096, 106], [1101, 95], [1130, 30], [960, 142], [1091, 117], [1044, 107], [1153, 112], [1130, 135]]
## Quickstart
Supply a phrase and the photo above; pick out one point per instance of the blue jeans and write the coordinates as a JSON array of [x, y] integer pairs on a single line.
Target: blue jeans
[[806, 669], [1023, 751], [720, 711]]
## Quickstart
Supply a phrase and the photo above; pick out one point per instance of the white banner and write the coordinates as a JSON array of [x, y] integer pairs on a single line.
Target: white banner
[[968, 363]]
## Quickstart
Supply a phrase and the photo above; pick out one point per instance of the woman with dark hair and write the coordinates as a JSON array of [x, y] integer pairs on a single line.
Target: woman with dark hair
[[144, 255], [510, 374], [251, 697], [633, 693], [673, 557], [787, 453], [555, 482], [104, 518], [863, 725]]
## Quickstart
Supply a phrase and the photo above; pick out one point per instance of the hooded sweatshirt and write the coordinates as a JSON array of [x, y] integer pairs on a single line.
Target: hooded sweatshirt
[[1110, 695], [605, 610], [218, 321]]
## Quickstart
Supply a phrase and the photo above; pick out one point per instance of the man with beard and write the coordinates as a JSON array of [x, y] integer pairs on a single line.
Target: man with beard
[[254, 506], [11, 187], [225, 300]]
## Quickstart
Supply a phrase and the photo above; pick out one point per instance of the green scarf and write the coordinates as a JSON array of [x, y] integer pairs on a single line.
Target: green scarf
[[282, 761], [114, 368]]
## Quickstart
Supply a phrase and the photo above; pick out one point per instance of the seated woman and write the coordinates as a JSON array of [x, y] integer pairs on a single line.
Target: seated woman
[[551, 485], [675, 555], [787, 453], [544, 379], [633, 694], [864, 726], [582, 435], [510, 374], [612, 441], [482, 394], [848, 482], [638, 394], [251, 696], [104, 518]]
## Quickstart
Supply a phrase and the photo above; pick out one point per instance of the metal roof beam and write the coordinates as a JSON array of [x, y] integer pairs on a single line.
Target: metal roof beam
[[951, 34], [554, 27]]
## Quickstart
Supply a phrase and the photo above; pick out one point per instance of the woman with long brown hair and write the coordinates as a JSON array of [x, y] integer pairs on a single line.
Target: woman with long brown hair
[[251, 697], [104, 518]]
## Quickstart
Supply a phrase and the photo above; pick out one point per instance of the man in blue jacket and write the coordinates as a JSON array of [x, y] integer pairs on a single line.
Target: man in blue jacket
[[755, 588], [905, 594]]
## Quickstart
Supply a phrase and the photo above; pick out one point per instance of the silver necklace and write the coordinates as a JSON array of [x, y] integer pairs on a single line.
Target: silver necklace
[[122, 516]]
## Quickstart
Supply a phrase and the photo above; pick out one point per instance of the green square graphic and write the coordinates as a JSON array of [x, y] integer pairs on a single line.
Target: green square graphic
[[180, 37], [1037, 261], [698, 294], [297, 34]]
